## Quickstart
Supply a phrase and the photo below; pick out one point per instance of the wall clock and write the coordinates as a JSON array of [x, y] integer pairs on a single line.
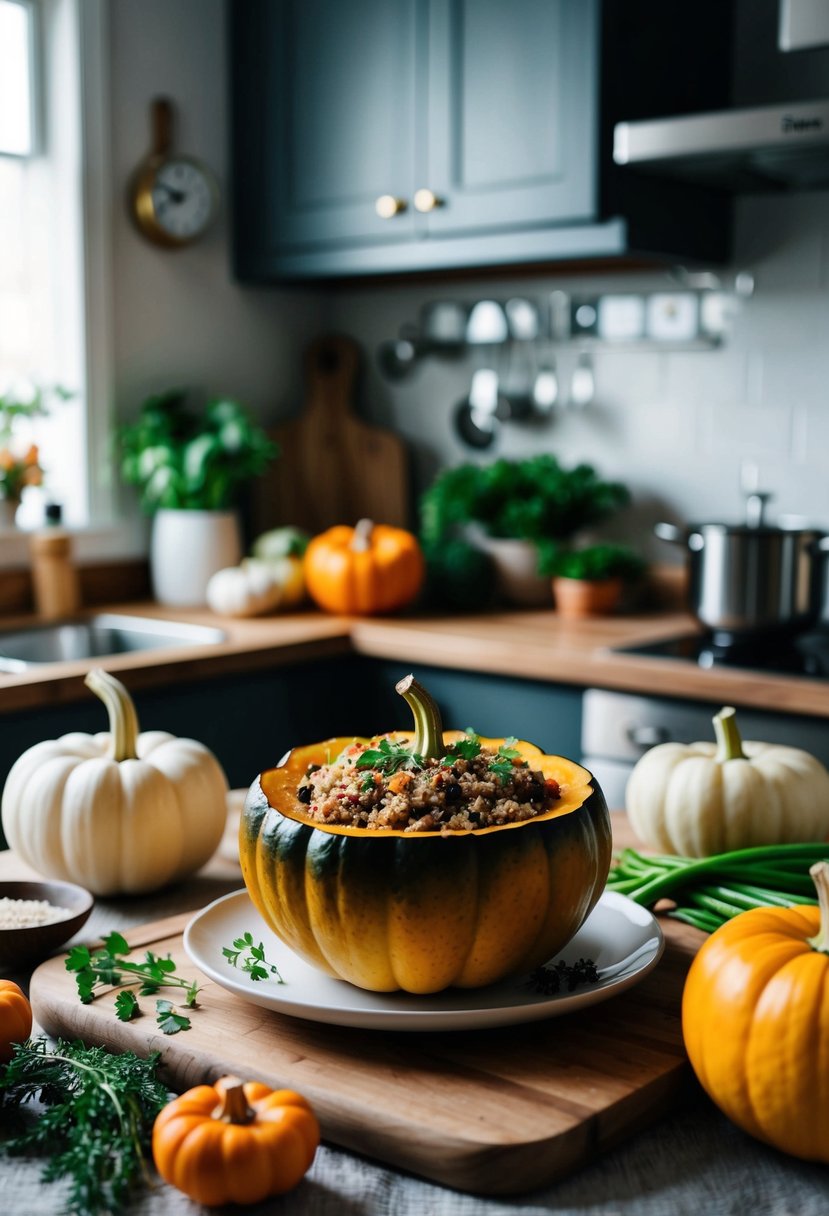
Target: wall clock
[[173, 199]]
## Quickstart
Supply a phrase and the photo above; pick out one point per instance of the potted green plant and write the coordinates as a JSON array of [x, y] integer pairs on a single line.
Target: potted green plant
[[590, 581], [189, 468], [512, 508]]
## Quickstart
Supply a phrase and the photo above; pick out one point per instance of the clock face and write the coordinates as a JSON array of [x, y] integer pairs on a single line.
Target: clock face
[[183, 199]]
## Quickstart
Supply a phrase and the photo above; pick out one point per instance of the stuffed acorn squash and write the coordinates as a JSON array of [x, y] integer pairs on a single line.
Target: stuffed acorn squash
[[422, 910]]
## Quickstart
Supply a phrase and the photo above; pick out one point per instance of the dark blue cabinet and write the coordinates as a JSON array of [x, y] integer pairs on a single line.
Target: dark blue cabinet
[[380, 136]]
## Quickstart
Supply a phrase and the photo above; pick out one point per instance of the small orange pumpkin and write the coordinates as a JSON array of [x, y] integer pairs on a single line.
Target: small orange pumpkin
[[235, 1142], [756, 1022], [372, 568], [15, 1018]]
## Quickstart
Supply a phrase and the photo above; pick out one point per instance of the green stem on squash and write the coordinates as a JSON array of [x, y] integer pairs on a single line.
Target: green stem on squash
[[820, 874], [123, 720], [428, 740], [729, 743]]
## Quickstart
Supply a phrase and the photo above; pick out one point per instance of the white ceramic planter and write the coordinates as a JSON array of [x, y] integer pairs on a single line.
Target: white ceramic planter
[[186, 550], [516, 569]]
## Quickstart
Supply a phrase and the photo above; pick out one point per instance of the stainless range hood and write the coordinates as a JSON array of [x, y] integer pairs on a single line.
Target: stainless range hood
[[777, 147]]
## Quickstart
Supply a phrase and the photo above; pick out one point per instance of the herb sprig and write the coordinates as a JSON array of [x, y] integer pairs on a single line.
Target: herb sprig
[[388, 757], [98, 1117], [253, 958], [503, 765], [108, 967]]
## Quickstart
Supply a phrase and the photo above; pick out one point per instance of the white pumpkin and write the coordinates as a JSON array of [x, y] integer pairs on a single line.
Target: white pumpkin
[[697, 799], [250, 589], [119, 813]]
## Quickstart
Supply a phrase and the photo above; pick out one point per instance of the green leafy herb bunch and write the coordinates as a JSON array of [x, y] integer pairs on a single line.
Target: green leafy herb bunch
[[180, 458]]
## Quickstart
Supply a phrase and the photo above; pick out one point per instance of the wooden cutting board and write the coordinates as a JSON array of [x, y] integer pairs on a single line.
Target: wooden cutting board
[[333, 468], [493, 1112]]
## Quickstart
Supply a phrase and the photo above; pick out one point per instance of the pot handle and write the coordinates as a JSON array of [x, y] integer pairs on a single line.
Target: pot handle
[[671, 533], [820, 547]]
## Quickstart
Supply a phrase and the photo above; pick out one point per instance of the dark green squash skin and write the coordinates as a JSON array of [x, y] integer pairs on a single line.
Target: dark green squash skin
[[435, 878]]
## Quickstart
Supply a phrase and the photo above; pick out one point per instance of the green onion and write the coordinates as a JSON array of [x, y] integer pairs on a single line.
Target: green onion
[[709, 891]]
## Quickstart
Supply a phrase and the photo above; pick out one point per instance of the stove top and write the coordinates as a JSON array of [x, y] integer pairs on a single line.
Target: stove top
[[804, 655]]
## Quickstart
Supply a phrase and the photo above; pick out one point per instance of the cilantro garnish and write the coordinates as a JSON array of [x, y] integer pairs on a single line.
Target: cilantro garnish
[[463, 749], [502, 766], [170, 1022], [388, 757], [253, 958], [109, 968], [126, 1005]]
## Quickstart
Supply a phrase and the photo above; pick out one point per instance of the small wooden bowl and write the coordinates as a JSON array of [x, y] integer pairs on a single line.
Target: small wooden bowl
[[36, 941]]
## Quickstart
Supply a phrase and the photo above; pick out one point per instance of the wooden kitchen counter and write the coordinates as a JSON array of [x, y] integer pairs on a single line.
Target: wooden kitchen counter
[[535, 645]]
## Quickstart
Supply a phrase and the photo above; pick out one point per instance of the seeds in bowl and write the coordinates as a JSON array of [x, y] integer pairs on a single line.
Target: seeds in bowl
[[387, 786], [28, 913]]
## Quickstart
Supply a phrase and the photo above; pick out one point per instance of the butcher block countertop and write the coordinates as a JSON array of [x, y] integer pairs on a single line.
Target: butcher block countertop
[[535, 645], [691, 1159]]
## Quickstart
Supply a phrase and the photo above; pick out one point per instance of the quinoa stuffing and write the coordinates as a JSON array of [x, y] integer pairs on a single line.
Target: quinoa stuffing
[[387, 786]]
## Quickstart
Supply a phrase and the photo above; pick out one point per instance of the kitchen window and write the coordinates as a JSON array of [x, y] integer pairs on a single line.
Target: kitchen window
[[53, 249]]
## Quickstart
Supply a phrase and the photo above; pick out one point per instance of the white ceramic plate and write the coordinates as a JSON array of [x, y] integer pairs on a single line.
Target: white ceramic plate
[[623, 940]]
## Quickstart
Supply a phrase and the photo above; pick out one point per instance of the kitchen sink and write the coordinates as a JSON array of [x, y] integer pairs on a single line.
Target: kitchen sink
[[96, 637]]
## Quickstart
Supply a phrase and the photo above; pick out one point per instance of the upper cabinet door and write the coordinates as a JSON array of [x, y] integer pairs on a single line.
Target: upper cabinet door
[[339, 126], [511, 136]]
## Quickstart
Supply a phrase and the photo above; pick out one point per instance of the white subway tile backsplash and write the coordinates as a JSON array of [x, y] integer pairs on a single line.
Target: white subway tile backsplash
[[779, 238], [676, 426]]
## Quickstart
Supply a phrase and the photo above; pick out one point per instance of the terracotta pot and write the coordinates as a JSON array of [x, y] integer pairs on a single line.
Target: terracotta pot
[[575, 597]]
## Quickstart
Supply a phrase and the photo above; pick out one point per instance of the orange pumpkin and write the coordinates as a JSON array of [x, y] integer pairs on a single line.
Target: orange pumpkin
[[15, 1018], [235, 1143], [369, 569], [756, 1022]]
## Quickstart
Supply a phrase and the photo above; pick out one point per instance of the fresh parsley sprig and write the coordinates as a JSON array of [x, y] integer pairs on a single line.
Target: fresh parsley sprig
[[388, 757], [463, 749], [109, 968], [252, 957], [502, 766], [96, 1122]]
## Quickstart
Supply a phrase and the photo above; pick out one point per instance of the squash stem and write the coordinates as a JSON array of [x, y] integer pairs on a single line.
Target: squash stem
[[234, 1107], [361, 540], [729, 743], [820, 874], [428, 740], [123, 720]]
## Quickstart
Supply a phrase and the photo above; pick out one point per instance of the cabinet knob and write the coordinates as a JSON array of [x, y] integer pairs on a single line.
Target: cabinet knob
[[426, 200], [388, 206]]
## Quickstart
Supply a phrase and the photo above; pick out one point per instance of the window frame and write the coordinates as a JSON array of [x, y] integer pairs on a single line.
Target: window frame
[[35, 92], [109, 533]]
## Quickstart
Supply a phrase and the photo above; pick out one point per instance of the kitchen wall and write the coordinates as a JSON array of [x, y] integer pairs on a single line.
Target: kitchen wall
[[676, 426], [177, 316]]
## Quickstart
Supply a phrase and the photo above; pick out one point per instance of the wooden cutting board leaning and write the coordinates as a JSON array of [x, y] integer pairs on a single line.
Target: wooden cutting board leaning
[[489, 1111], [333, 468]]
